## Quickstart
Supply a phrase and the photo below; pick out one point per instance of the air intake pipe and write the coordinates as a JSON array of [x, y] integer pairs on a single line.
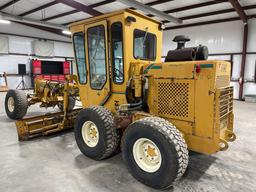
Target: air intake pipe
[[183, 53]]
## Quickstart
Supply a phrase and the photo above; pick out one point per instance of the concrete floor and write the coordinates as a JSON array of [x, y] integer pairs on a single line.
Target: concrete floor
[[55, 164]]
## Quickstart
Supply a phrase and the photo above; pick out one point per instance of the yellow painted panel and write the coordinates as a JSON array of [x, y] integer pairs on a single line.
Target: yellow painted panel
[[189, 100], [204, 103], [177, 70]]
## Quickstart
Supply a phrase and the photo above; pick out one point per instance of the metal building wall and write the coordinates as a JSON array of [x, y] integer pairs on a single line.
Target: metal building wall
[[20, 50], [223, 40]]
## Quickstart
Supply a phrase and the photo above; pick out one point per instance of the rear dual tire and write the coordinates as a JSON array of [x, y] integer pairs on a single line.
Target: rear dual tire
[[166, 163]]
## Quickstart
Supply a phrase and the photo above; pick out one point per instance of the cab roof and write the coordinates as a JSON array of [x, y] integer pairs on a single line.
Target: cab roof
[[107, 15]]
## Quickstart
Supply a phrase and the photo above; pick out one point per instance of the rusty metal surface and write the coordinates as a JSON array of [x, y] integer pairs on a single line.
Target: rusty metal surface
[[31, 127], [122, 121]]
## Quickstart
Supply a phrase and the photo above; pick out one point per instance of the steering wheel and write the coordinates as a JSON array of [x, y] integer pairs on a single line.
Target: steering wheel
[[120, 72]]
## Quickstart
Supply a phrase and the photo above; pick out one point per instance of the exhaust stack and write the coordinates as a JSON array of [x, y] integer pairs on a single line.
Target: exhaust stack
[[182, 53]]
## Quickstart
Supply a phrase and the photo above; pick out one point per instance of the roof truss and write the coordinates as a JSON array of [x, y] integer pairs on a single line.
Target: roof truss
[[198, 5], [79, 7], [239, 10], [38, 8], [12, 2]]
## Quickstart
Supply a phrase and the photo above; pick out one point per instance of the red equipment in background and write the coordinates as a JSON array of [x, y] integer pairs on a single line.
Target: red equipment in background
[[50, 70]]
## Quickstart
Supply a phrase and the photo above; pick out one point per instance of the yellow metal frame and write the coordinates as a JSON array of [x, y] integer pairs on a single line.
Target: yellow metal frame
[[196, 101], [31, 127]]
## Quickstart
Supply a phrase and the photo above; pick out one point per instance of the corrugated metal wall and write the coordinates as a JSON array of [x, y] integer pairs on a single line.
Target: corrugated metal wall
[[20, 50], [222, 38]]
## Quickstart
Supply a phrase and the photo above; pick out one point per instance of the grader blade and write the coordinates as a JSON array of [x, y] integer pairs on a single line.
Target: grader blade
[[31, 127]]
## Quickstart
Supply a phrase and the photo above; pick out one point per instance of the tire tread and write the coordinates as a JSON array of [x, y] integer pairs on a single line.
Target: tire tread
[[21, 103], [112, 137], [174, 138]]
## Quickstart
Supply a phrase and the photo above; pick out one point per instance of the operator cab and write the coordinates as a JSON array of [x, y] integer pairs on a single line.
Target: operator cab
[[106, 45]]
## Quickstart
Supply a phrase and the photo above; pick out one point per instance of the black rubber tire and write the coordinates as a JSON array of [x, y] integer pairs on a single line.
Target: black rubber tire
[[172, 147], [71, 104], [109, 138], [20, 104]]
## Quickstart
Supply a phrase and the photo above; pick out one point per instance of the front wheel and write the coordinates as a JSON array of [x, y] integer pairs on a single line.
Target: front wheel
[[16, 104], [95, 133], [155, 152]]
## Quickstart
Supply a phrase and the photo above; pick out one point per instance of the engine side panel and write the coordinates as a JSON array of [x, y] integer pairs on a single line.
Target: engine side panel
[[190, 96]]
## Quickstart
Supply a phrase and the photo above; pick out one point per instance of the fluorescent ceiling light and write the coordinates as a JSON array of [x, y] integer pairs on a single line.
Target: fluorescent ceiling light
[[66, 32], [3, 21]]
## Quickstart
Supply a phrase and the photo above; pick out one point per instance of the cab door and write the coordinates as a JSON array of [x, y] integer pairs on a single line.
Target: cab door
[[98, 87]]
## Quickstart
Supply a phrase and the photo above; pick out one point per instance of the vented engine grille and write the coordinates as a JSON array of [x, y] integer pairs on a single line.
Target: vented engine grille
[[225, 102], [173, 99]]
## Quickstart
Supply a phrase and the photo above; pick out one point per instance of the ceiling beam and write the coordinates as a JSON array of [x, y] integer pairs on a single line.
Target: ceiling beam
[[251, 16], [239, 10], [208, 22], [59, 15], [222, 0], [97, 5], [76, 11], [207, 14], [216, 12], [48, 29], [80, 7], [203, 23], [101, 3], [10, 17], [176, 9], [38, 8], [12, 2], [35, 37], [199, 5], [157, 2]]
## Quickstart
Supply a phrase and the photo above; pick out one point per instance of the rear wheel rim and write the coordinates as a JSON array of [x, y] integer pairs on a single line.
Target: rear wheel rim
[[90, 133], [10, 104], [147, 155]]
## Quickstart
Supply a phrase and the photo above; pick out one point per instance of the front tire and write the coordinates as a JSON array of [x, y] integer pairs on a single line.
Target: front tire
[[155, 152], [95, 133], [16, 104]]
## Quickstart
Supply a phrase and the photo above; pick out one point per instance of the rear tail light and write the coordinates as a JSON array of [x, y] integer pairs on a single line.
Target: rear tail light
[[198, 68]]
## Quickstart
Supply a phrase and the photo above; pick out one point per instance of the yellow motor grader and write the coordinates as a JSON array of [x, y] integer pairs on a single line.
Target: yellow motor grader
[[48, 94], [155, 111]]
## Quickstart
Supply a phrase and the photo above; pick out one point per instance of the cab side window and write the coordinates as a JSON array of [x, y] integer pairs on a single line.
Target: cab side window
[[144, 45], [97, 56], [78, 39], [117, 52]]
